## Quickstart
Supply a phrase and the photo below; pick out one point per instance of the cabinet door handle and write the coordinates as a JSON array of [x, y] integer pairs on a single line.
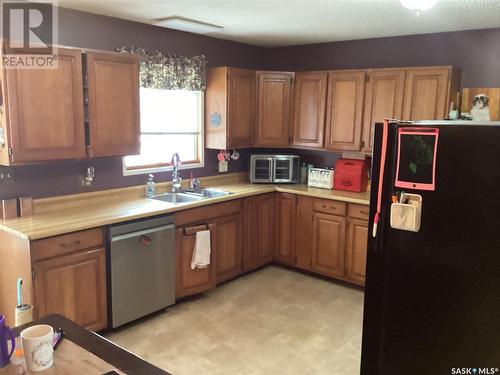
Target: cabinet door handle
[[363, 212], [188, 231]]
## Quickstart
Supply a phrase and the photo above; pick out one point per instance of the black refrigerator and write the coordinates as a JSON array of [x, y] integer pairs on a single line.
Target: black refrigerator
[[432, 296]]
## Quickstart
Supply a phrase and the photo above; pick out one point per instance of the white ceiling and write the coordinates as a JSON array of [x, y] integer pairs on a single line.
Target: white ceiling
[[272, 23]]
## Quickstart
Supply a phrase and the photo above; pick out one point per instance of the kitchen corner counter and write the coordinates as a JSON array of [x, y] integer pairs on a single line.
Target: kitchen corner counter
[[60, 215]]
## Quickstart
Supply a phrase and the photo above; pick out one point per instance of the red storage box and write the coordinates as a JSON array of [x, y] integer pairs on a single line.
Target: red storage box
[[350, 175]]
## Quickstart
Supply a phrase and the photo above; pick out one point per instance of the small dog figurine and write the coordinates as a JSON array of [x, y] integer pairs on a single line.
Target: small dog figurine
[[480, 110]]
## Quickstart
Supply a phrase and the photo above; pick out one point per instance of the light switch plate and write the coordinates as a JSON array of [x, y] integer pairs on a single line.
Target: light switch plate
[[223, 166]]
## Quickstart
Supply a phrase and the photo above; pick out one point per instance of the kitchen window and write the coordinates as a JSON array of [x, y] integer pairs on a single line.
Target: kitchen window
[[171, 121]]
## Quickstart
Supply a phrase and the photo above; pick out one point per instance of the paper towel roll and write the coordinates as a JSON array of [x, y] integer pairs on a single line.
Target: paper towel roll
[[24, 314]]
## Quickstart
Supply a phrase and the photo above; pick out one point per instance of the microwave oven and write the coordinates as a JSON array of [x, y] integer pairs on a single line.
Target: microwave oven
[[274, 169]]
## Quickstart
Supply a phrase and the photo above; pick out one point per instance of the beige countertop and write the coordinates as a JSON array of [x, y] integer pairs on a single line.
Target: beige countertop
[[60, 215]]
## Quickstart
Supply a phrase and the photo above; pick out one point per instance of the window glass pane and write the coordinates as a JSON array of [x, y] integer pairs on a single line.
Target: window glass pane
[[156, 149], [170, 110]]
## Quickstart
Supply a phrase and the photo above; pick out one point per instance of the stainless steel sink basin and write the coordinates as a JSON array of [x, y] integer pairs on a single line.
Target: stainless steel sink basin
[[187, 196], [177, 198], [210, 193]]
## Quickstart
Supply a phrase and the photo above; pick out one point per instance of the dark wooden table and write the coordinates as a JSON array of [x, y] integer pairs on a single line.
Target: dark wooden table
[[116, 356]]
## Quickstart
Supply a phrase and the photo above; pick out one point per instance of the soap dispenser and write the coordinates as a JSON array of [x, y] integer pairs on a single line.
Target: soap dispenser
[[150, 186]]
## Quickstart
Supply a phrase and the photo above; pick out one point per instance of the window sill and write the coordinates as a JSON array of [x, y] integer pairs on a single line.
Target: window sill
[[133, 172]]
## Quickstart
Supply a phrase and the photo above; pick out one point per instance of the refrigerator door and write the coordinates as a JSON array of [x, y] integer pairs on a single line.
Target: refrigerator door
[[432, 302]]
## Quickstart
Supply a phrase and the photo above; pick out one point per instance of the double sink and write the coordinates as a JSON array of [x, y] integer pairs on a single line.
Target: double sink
[[188, 196]]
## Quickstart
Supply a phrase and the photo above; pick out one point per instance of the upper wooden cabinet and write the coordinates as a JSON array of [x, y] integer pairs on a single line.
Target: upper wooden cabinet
[[113, 89], [43, 112], [43, 115], [383, 99], [229, 108], [429, 91], [309, 109], [274, 105], [346, 92]]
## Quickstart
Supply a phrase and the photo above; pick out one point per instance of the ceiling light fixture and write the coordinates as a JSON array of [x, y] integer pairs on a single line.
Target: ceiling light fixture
[[186, 24], [418, 5]]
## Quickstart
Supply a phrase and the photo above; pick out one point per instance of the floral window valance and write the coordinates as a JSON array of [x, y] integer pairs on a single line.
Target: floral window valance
[[170, 72]]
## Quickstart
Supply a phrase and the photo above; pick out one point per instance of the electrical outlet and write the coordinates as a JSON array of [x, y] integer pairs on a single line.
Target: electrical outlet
[[6, 175]]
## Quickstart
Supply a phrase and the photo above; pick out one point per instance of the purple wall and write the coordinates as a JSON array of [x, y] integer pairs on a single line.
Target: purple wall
[[476, 52]]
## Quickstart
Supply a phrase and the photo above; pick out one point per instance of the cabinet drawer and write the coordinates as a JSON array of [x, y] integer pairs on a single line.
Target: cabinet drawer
[[329, 207], [59, 245], [358, 211]]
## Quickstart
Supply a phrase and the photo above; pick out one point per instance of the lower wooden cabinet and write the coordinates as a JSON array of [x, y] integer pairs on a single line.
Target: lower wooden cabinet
[[228, 247], [286, 211], [328, 249], [73, 285], [303, 236], [356, 250], [258, 231], [189, 281]]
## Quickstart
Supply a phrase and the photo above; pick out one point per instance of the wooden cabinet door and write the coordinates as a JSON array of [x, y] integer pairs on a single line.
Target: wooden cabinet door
[[241, 108], [346, 92], [328, 252], [274, 99], [228, 249], [426, 93], [258, 248], [267, 229], [189, 281], [251, 234], [113, 90], [383, 99], [303, 236], [45, 110], [309, 109], [286, 210], [357, 242], [73, 285]]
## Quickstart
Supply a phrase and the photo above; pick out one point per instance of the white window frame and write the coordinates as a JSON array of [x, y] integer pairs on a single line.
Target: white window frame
[[201, 151]]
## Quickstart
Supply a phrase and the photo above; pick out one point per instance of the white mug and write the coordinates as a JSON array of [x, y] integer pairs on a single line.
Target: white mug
[[37, 344]]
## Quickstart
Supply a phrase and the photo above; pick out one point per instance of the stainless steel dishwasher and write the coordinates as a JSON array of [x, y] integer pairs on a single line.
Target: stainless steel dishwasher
[[141, 268]]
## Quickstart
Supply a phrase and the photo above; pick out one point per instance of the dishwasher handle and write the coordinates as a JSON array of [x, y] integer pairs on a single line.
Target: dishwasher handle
[[143, 232]]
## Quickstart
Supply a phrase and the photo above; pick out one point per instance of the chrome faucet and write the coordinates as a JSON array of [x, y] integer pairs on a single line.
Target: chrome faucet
[[176, 180]]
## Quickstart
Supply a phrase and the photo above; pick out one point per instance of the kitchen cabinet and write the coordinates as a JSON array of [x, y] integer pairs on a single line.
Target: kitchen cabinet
[[328, 248], [303, 237], [113, 104], [429, 91], [225, 225], [192, 281], [286, 211], [383, 99], [309, 109], [356, 250], [258, 247], [69, 278], [46, 115], [228, 247], [230, 108], [274, 106], [346, 92], [42, 112]]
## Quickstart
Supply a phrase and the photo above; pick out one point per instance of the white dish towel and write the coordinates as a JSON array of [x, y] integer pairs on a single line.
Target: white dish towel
[[201, 253]]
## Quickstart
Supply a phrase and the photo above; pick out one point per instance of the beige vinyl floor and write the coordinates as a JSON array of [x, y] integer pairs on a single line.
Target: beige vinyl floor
[[272, 321]]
